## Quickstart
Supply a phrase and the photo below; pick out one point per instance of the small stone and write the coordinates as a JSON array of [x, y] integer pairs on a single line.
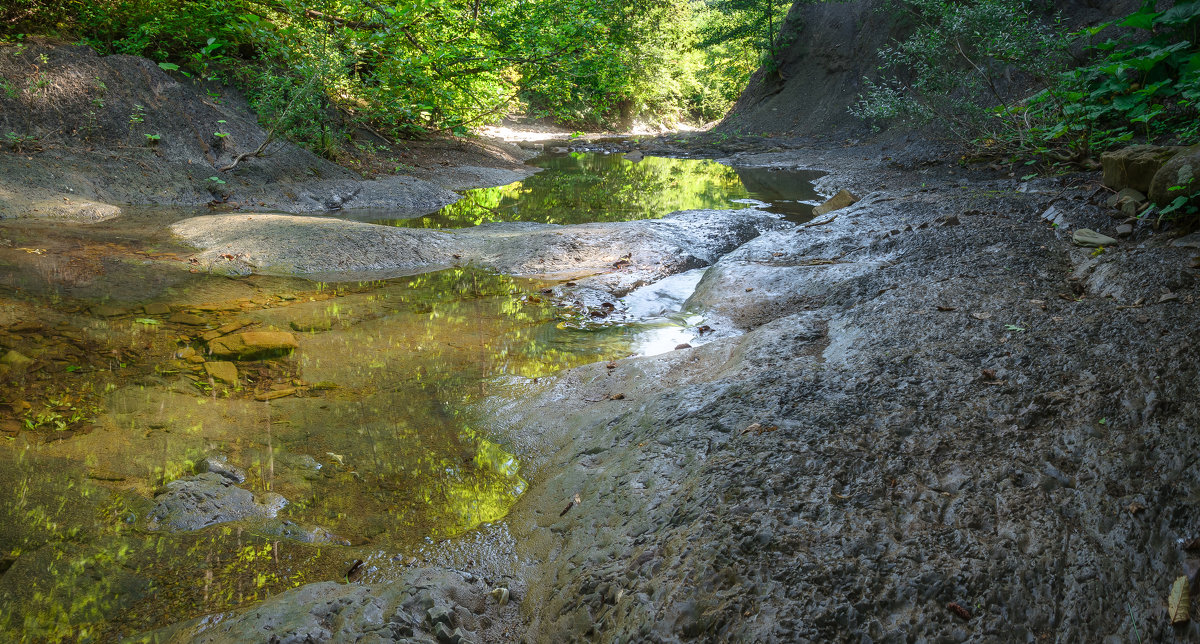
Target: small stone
[[222, 371], [195, 359], [189, 319], [841, 200], [224, 329], [218, 465], [1124, 230], [16, 360], [1126, 194], [108, 311], [156, 308], [683, 346], [440, 615], [1188, 241], [253, 344], [185, 353], [1089, 238], [272, 395], [443, 634], [312, 325]]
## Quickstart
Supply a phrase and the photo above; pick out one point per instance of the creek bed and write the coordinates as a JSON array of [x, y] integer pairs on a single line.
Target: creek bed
[[367, 429]]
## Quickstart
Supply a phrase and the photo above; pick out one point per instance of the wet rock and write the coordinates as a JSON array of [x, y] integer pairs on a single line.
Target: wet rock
[[1089, 238], [1182, 170], [273, 394], [108, 311], [650, 249], [312, 324], [222, 371], [253, 344], [156, 308], [208, 499], [288, 529], [220, 465], [335, 612], [189, 319], [841, 200], [1135, 166], [16, 360], [224, 329]]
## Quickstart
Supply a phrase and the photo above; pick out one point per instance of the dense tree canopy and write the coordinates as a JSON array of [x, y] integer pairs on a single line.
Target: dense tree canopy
[[412, 66]]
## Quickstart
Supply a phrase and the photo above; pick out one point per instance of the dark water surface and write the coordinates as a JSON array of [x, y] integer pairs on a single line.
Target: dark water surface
[[373, 441]]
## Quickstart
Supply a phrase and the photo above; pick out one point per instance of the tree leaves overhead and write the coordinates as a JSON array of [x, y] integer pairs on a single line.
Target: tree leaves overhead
[[313, 67]]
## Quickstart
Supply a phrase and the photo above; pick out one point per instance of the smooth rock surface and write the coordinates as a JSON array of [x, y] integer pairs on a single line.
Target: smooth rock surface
[[208, 499], [620, 253], [1135, 166], [253, 344], [841, 200], [222, 371], [1182, 170]]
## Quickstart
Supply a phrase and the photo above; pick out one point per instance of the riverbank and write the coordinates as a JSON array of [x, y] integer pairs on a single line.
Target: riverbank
[[941, 419]]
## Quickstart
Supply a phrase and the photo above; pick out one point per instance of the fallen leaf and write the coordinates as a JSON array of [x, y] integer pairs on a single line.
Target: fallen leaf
[[990, 374], [980, 315], [958, 609], [947, 308], [355, 570], [1135, 507], [1177, 603], [575, 501]]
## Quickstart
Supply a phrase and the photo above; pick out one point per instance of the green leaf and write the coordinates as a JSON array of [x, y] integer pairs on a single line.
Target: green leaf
[[1174, 205], [170, 67], [147, 321], [1182, 13], [1141, 20], [1013, 327]]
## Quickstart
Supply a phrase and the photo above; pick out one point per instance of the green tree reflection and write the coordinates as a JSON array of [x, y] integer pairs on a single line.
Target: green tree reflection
[[586, 187]]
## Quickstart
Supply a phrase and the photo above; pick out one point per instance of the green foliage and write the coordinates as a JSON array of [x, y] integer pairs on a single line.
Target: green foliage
[[968, 64], [1145, 82], [960, 62], [315, 69]]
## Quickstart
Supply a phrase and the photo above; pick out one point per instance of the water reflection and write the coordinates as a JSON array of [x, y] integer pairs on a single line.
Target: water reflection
[[583, 187], [376, 448]]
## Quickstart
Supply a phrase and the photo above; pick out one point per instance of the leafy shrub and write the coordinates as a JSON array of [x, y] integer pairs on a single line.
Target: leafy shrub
[[967, 64]]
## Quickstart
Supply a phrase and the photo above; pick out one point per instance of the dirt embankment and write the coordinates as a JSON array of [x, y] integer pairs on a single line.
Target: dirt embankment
[[834, 47], [82, 135]]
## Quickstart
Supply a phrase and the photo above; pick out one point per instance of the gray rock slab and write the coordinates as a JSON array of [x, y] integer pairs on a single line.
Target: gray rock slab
[[274, 243], [208, 499]]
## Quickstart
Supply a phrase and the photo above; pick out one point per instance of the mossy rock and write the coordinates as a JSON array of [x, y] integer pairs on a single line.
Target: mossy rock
[[1135, 166], [1181, 170]]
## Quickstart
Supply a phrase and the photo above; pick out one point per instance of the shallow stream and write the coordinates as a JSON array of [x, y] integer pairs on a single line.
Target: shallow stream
[[366, 430]]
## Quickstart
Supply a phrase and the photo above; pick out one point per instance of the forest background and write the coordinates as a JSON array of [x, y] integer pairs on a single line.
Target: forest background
[[316, 69]]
